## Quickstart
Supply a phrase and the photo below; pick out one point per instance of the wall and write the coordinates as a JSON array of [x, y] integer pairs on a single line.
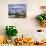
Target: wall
[[25, 26]]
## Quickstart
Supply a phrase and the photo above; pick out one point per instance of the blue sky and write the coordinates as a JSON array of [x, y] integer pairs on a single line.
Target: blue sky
[[13, 8]]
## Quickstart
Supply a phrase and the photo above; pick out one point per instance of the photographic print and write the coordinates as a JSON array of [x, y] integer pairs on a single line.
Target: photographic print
[[17, 11]]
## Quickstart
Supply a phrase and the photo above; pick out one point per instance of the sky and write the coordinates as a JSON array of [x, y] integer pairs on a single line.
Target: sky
[[17, 8]]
